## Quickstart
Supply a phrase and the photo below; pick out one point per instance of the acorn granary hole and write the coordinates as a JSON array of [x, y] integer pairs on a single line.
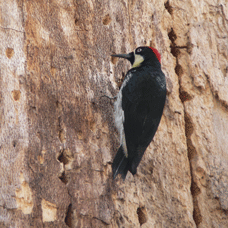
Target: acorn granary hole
[[168, 7], [68, 218], [107, 19], [9, 53], [142, 215], [16, 94]]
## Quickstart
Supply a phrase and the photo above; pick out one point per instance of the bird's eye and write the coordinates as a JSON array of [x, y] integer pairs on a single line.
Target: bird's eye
[[139, 50]]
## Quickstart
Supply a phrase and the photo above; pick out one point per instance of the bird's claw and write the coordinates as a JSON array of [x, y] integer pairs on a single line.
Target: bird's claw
[[111, 98]]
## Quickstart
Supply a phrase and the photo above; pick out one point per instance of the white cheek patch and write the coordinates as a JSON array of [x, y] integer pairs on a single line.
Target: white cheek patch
[[138, 60]]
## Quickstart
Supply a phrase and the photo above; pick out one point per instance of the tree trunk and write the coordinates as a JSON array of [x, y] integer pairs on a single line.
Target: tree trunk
[[57, 134]]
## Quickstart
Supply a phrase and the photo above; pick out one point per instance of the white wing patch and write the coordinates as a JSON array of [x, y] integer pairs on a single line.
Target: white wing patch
[[119, 115]]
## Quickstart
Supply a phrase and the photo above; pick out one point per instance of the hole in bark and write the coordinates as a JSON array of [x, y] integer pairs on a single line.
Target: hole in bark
[[9, 52], [65, 156], [107, 19], [188, 126], [33, 108], [14, 143], [64, 178], [178, 69], [188, 132], [68, 57], [68, 218], [16, 94], [172, 36], [195, 190], [184, 96], [197, 217], [196, 212], [62, 157], [168, 7], [174, 51], [76, 21], [191, 150], [142, 215]]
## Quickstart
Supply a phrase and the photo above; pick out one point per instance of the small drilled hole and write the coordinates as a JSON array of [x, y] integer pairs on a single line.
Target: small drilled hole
[[107, 19], [142, 215]]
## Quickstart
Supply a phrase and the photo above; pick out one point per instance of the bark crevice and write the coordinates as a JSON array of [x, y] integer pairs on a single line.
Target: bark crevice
[[185, 96]]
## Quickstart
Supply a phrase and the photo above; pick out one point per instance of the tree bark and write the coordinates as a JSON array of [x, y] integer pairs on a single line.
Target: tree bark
[[57, 133]]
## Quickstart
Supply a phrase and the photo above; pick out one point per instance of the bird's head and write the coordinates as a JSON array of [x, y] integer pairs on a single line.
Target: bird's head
[[141, 55]]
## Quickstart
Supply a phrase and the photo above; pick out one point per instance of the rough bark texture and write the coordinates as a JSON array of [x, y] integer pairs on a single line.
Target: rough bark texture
[[57, 135]]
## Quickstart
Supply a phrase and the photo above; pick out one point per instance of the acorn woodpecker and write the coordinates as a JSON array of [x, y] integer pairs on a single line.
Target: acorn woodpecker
[[138, 108]]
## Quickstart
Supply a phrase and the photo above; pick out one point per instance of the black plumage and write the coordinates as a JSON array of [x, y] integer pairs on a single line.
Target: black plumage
[[138, 108]]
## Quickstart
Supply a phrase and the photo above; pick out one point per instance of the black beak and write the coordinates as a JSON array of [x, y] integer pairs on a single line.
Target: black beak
[[129, 56]]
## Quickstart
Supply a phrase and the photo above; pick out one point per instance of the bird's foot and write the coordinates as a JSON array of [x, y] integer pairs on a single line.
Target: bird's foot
[[111, 98]]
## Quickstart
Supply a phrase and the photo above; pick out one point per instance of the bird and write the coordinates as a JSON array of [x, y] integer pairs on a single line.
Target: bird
[[138, 108]]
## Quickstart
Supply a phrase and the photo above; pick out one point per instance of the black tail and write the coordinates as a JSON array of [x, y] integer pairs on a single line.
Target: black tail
[[120, 164]]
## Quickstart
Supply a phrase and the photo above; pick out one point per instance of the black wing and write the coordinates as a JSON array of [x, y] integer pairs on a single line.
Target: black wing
[[143, 100]]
